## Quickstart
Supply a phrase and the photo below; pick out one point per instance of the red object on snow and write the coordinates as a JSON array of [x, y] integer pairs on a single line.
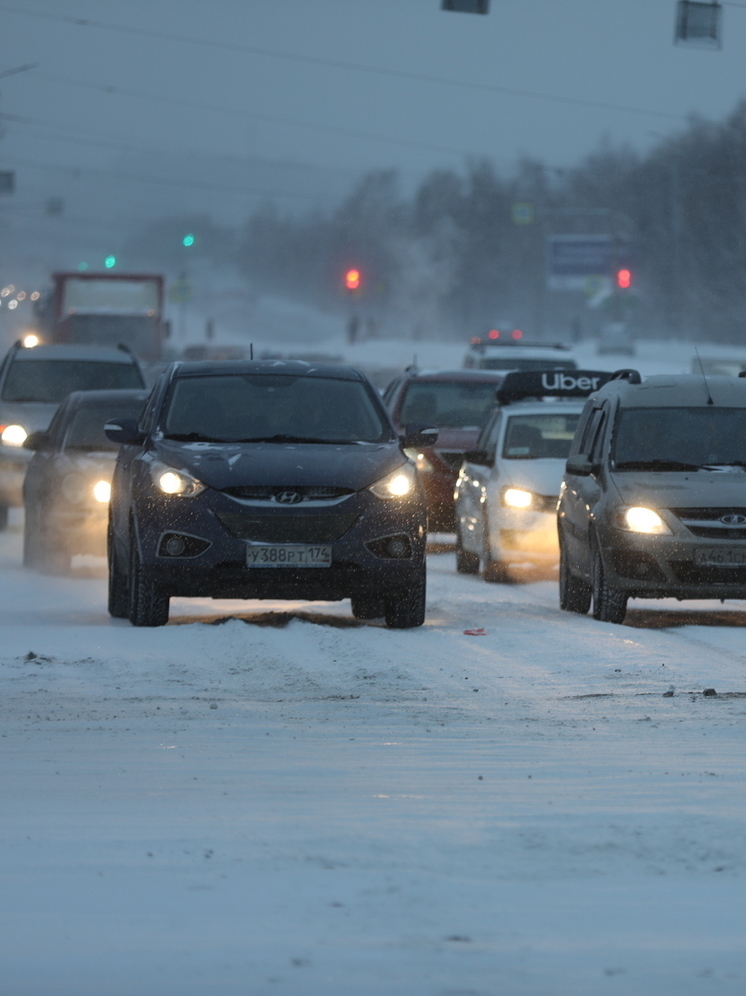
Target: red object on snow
[[475, 632]]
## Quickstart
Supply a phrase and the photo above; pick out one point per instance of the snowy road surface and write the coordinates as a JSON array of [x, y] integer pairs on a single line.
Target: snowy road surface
[[327, 807]]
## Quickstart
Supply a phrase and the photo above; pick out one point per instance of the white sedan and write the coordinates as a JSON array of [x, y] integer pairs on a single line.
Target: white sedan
[[506, 493]]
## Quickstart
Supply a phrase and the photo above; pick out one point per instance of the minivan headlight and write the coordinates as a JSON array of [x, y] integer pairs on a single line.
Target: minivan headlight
[[639, 519], [179, 483], [401, 483]]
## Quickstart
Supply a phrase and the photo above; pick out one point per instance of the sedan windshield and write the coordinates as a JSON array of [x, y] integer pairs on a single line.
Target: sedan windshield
[[454, 404], [533, 437], [270, 408], [50, 381], [680, 438]]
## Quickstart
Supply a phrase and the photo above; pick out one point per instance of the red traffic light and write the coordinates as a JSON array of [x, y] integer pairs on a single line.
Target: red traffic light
[[352, 280], [624, 279], [494, 333]]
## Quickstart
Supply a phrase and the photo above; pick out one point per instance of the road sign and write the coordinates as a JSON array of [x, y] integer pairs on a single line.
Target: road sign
[[523, 213], [572, 259], [181, 291], [698, 23]]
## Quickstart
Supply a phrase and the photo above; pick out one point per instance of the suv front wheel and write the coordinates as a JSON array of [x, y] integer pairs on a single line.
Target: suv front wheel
[[405, 608], [574, 593], [148, 601]]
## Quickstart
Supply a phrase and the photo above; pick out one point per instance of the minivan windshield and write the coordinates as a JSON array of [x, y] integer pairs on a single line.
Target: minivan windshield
[[273, 408], [50, 381], [448, 404], [680, 438]]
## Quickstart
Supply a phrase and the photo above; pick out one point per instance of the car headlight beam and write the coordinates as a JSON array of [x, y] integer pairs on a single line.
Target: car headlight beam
[[13, 435], [639, 519], [401, 483], [102, 491], [178, 483], [517, 498]]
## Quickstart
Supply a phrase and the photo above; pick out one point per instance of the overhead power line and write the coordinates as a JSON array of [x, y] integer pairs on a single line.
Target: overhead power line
[[400, 74]]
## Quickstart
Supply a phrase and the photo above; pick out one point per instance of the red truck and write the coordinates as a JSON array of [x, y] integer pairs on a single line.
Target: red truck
[[106, 309]]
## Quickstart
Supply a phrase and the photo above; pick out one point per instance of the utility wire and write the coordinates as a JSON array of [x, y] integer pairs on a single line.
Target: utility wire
[[400, 74], [247, 115]]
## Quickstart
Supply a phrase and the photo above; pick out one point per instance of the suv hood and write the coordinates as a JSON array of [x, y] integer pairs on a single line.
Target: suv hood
[[32, 415], [690, 489], [226, 465]]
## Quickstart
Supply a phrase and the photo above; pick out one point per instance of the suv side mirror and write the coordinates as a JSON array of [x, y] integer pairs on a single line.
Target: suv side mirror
[[36, 440], [124, 431], [482, 458], [581, 465], [416, 435]]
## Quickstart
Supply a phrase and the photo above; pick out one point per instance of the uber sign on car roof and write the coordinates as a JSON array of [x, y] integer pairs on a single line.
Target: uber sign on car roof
[[551, 384]]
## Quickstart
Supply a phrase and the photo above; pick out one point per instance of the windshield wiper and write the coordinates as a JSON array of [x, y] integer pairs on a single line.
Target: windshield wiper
[[192, 437], [658, 465], [281, 438]]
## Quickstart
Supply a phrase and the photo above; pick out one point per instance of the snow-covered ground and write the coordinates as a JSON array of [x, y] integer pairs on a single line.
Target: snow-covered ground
[[275, 798]]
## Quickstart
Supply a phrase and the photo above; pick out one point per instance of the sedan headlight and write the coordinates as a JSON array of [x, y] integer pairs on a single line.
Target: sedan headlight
[[170, 481], [517, 498], [642, 520], [13, 435], [401, 483]]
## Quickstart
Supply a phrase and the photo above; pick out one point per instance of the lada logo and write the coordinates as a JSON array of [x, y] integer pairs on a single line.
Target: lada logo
[[733, 520], [291, 497]]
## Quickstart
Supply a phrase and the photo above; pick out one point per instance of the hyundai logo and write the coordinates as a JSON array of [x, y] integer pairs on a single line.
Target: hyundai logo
[[733, 520], [293, 497]]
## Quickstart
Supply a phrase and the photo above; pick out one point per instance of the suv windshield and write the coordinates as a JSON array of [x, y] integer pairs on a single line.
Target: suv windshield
[[269, 408], [440, 403], [86, 428], [532, 437], [679, 438], [50, 381]]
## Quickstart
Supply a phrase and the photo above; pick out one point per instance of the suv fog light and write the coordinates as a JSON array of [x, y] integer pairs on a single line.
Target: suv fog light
[[181, 545], [175, 546], [392, 547]]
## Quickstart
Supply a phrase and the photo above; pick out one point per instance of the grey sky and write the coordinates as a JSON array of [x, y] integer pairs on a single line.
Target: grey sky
[[617, 52]]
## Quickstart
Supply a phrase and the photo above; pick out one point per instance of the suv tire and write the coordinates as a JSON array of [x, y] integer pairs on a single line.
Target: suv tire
[[609, 603], [119, 593], [367, 608], [148, 603], [405, 608], [574, 593]]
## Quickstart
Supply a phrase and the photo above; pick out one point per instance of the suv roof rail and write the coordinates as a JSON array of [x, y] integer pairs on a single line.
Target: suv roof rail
[[628, 374]]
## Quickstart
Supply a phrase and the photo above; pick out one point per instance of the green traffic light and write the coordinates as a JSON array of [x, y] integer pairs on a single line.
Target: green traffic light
[[188, 240], [110, 261]]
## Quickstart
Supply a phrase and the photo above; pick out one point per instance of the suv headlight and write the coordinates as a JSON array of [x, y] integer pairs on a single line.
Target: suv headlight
[[401, 483], [13, 435], [170, 481], [638, 519]]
